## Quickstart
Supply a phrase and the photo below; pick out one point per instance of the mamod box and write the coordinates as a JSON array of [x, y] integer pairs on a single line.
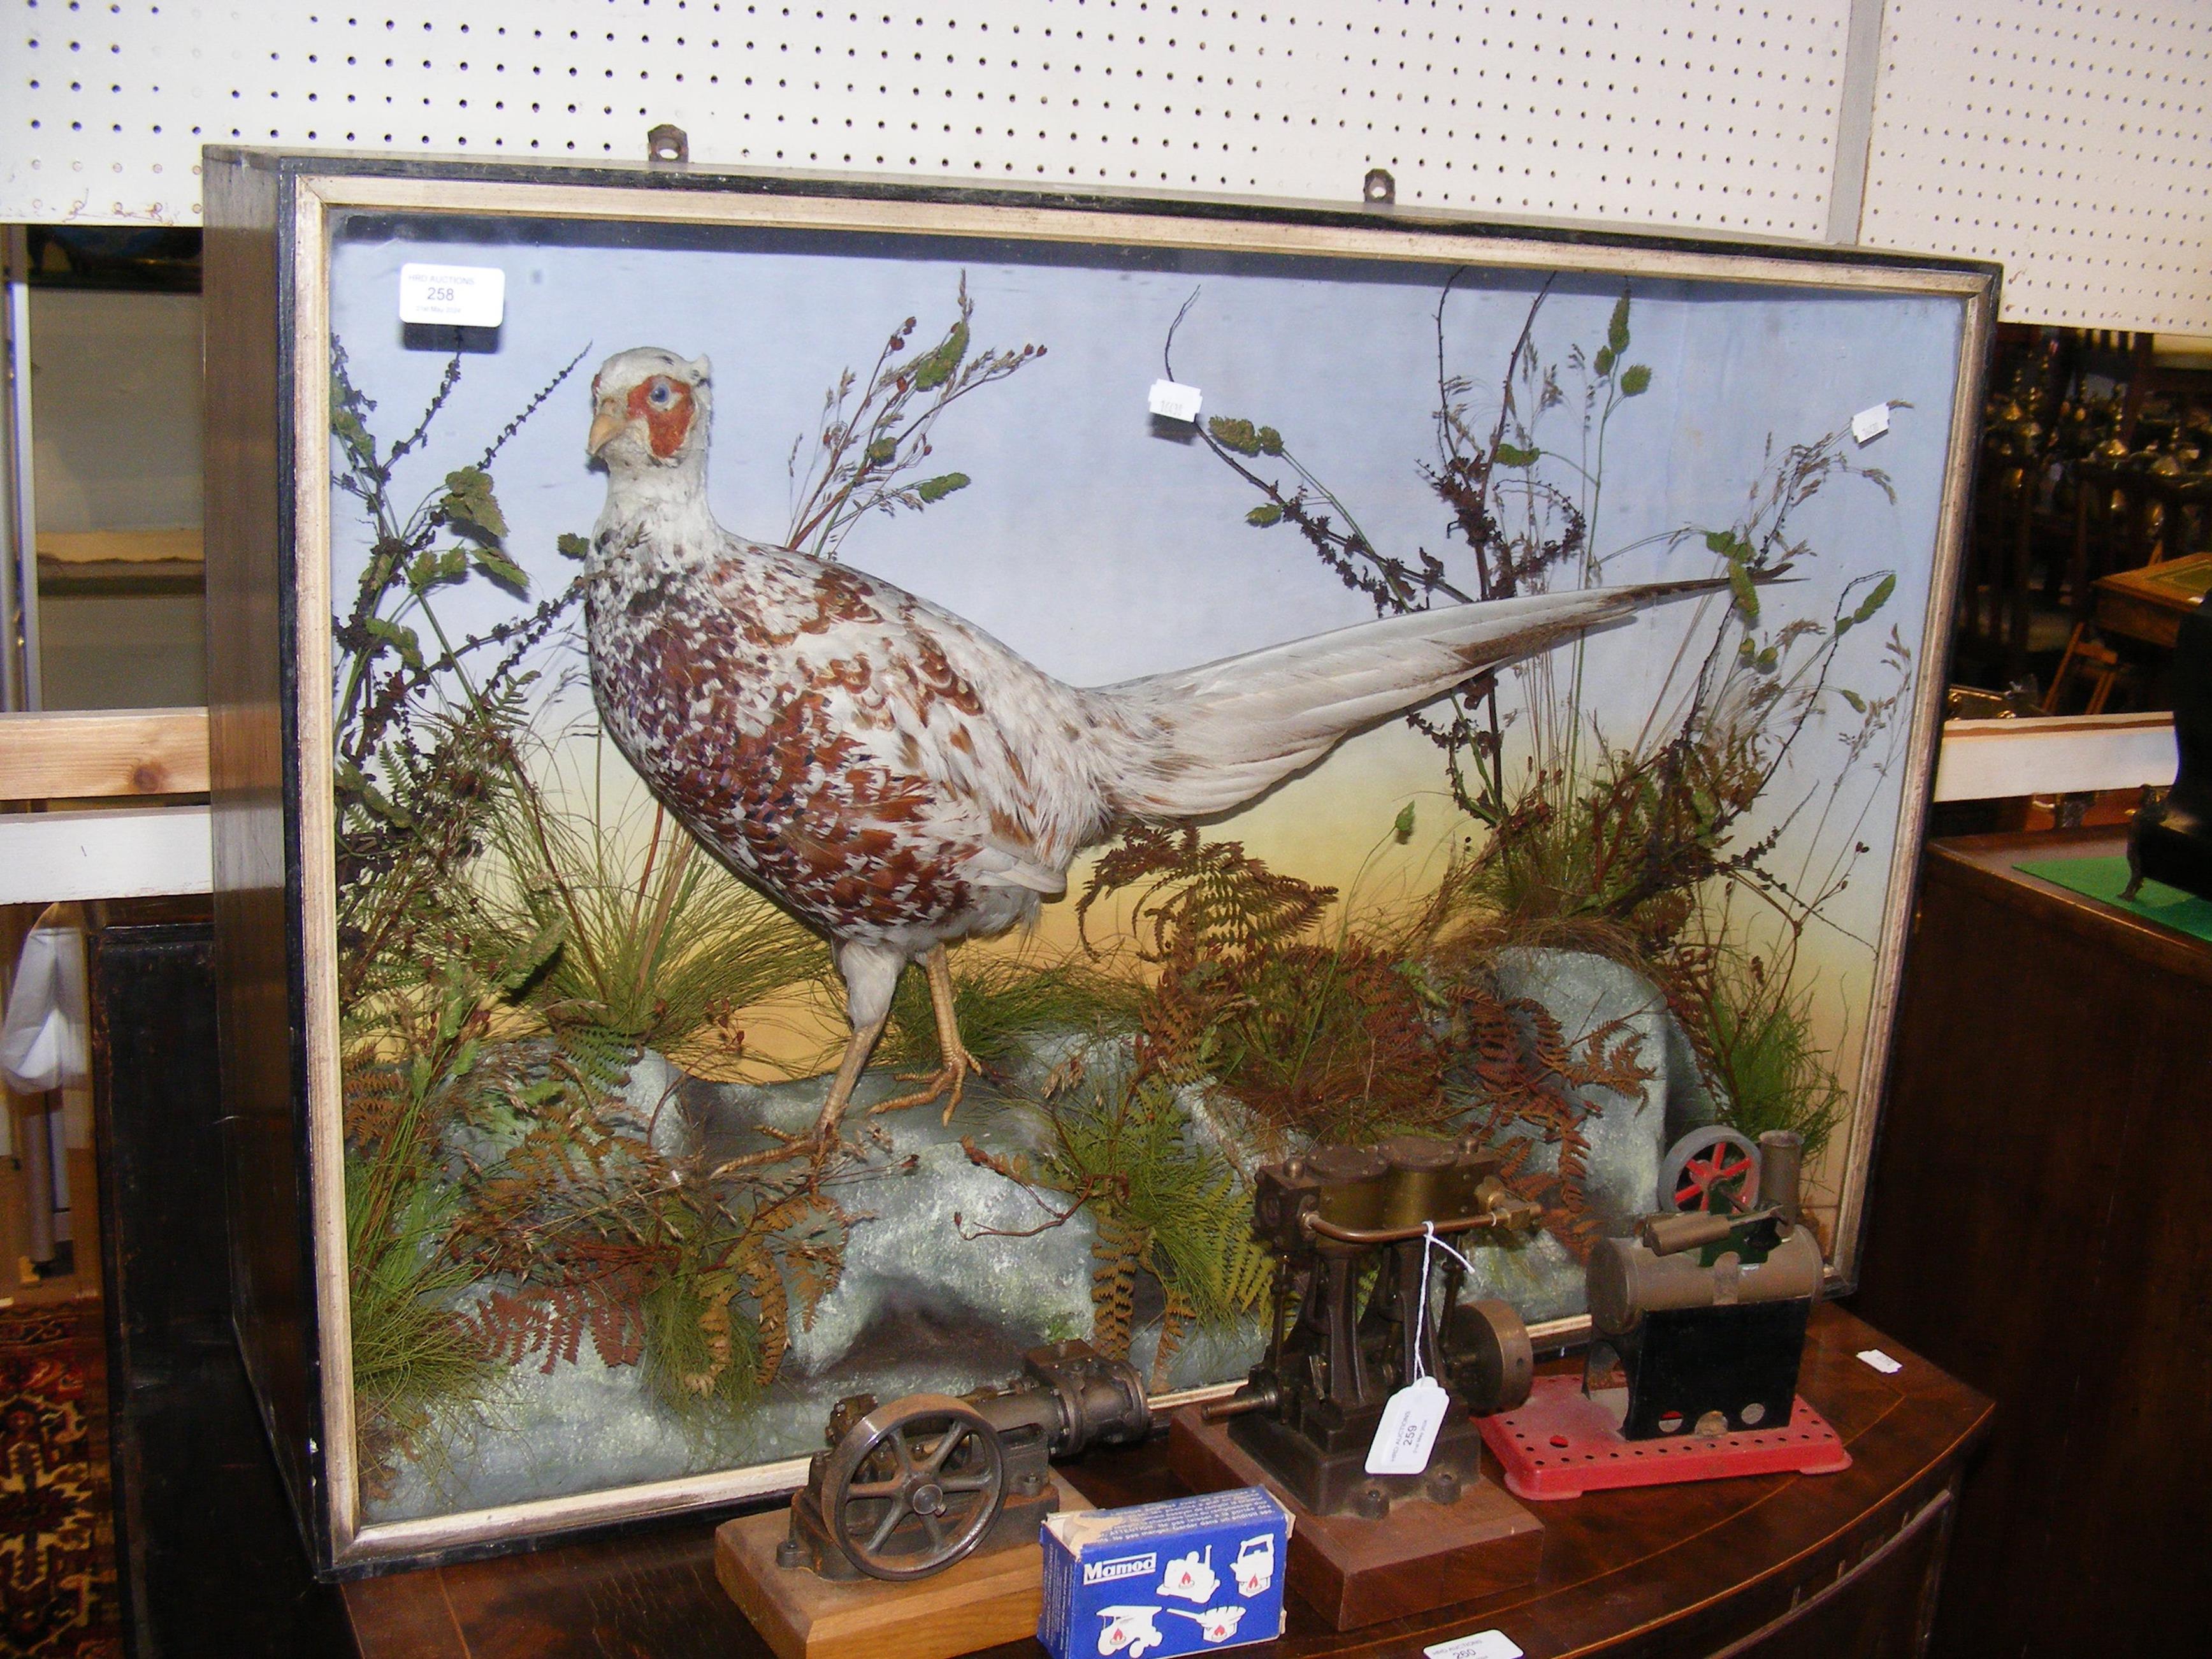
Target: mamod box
[[1188, 1576]]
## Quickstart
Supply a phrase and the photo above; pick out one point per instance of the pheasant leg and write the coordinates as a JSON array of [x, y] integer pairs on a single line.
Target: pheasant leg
[[857, 1049], [823, 1140], [952, 1074]]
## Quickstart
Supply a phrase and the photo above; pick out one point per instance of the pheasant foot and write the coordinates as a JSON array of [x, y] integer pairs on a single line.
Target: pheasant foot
[[821, 1149], [958, 1062], [952, 1076]]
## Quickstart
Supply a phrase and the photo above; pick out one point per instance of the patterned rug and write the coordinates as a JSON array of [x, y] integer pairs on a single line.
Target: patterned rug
[[58, 1598]]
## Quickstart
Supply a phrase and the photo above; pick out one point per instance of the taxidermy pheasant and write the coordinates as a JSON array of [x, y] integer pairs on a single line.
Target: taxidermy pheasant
[[898, 778]]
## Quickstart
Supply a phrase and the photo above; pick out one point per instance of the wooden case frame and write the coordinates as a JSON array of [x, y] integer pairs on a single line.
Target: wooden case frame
[[268, 216]]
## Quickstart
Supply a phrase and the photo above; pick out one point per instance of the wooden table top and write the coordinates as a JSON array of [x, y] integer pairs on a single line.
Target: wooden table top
[[1623, 1572], [1989, 864], [2149, 603]]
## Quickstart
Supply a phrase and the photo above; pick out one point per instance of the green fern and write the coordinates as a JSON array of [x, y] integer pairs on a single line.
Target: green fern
[[1163, 1204]]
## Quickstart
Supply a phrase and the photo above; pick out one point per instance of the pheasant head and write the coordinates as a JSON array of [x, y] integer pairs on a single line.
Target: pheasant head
[[651, 411]]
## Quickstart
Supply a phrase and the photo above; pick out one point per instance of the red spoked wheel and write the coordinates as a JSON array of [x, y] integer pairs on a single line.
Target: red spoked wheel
[[1706, 1167]]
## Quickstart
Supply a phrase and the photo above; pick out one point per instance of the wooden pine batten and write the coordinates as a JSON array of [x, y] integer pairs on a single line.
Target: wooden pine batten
[[96, 754]]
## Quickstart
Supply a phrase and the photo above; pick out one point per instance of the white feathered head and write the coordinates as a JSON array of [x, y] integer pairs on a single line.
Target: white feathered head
[[650, 408]]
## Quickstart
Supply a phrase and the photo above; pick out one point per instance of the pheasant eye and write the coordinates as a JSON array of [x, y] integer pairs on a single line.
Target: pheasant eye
[[661, 394]]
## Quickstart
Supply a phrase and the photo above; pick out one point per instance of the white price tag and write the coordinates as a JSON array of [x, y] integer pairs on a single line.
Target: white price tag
[[1483, 1644], [1881, 1361], [457, 296], [1870, 423], [1410, 1418], [1174, 401]]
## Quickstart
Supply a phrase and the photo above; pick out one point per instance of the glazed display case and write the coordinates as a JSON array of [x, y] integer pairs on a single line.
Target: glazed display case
[[1165, 625]]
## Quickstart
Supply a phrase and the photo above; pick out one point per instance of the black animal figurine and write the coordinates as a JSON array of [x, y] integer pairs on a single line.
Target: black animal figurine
[[2171, 841]]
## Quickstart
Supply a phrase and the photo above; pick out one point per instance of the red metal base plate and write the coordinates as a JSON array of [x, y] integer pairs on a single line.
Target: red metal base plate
[[1562, 1445]]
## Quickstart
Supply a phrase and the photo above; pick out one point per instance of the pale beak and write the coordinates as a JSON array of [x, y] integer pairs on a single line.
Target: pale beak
[[606, 423]]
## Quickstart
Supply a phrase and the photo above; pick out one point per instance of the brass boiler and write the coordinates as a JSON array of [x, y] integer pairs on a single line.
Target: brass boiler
[[1310, 1408]]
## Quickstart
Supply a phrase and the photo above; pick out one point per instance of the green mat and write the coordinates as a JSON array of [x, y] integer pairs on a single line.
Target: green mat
[[2190, 579], [2102, 878]]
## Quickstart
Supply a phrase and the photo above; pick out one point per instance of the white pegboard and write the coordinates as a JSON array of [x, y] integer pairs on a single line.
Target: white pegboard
[[2066, 138], [2070, 140], [1695, 112]]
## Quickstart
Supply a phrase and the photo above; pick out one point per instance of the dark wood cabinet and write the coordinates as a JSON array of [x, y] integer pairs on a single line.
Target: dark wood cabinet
[[2041, 1226], [210, 1560]]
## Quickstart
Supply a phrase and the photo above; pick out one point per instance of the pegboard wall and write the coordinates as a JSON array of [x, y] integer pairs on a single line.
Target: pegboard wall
[[1693, 112], [1715, 113], [2071, 140]]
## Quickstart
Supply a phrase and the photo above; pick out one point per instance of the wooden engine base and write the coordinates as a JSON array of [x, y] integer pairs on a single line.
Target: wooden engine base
[[981, 1602], [1355, 1572]]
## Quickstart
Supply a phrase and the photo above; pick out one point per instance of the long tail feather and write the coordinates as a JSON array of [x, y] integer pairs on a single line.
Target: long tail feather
[[1203, 740]]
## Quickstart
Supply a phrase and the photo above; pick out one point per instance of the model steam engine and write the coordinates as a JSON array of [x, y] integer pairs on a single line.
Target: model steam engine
[[1336, 1219], [1699, 1320], [907, 1489]]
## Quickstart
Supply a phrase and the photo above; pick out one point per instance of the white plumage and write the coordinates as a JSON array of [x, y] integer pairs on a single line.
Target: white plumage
[[1220, 734], [899, 778]]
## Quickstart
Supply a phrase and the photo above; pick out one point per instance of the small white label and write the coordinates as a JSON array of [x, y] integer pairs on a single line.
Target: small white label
[[458, 296], [1483, 1644], [1410, 1418], [1870, 423], [1880, 1361], [1175, 402]]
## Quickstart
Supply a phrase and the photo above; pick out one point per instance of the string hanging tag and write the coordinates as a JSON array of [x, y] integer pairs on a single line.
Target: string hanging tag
[[1411, 1416]]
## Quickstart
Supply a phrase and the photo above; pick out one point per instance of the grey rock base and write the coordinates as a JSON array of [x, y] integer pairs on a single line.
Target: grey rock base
[[953, 1272]]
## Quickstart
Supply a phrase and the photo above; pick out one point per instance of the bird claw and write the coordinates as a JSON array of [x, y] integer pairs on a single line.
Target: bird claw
[[819, 1148], [952, 1075]]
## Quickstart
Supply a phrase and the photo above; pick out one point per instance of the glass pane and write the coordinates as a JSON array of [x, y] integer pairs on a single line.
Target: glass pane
[[115, 418]]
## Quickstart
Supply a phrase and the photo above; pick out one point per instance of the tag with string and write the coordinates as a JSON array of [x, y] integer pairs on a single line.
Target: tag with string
[[1412, 1416]]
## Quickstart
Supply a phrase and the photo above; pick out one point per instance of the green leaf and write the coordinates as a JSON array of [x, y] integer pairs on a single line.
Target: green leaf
[[937, 489], [1768, 659], [1238, 434], [1511, 455], [501, 570], [572, 546], [353, 435], [1875, 600], [1270, 441], [1636, 381], [1746, 591], [1722, 541], [469, 499], [1264, 514], [1853, 698], [881, 451], [936, 369], [1603, 361], [1616, 331], [520, 964], [1746, 651], [401, 640], [381, 805], [1402, 830]]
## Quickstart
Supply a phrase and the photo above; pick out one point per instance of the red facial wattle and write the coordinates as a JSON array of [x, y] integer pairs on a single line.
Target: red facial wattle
[[666, 422]]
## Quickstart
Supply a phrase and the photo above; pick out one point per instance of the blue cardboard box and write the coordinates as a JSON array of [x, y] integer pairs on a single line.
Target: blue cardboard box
[[1188, 1576]]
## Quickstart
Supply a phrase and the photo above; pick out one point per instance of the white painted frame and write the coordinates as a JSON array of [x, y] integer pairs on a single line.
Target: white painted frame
[[316, 197]]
